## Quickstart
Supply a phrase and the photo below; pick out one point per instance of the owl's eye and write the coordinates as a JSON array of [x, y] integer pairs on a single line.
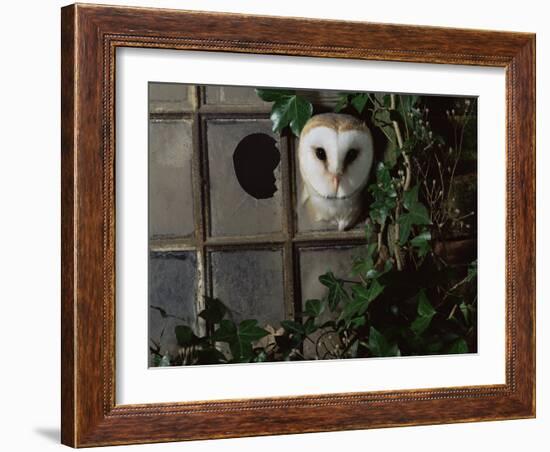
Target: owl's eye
[[351, 156], [321, 154]]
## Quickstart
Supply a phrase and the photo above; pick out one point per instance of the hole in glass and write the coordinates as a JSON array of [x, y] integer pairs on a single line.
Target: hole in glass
[[255, 160]]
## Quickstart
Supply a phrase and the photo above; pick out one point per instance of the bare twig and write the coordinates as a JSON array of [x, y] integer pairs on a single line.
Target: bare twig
[[406, 184], [399, 137]]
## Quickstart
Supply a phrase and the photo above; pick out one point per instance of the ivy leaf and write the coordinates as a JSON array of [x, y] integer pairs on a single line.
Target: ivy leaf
[[342, 102], [408, 101], [336, 290], [272, 95], [420, 324], [380, 210], [359, 101], [161, 361], [410, 197], [370, 293], [363, 265], [424, 306], [383, 177], [425, 313], [226, 331], [417, 215], [210, 355], [314, 308], [457, 347], [421, 238], [293, 111], [279, 114], [362, 298], [214, 312], [369, 230], [434, 347], [421, 242], [260, 357], [384, 195], [293, 327], [472, 271], [185, 336], [371, 248], [309, 326], [358, 322], [240, 338], [380, 346], [465, 309], [405, 225], [249, 331]]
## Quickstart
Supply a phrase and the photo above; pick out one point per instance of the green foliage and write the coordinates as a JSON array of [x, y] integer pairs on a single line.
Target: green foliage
[[425, 314], [214, 312], [161, 361], [458, 346], [288, 109], [185, 336], [384, 194], [360, 301], [357, 100], [336, 289], [314, 308], [380, 346], [416, 214], [422, 243], [240, 338]]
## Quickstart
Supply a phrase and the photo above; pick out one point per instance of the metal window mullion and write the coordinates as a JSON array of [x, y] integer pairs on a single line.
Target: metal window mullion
[[289, 258], [199, 212]]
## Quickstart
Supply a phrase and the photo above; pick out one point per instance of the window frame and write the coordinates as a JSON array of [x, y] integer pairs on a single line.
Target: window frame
[[289, 240]]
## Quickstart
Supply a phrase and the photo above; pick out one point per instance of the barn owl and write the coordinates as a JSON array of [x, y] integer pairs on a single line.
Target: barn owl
[[335, 155]]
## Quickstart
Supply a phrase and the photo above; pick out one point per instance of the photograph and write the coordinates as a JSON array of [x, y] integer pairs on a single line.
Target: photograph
[[300, 224]]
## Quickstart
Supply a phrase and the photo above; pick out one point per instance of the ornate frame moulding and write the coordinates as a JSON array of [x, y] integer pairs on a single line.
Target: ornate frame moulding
[[90, 36]]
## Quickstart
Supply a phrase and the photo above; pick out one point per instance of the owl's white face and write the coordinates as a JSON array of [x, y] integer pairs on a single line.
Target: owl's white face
[[335, 163]]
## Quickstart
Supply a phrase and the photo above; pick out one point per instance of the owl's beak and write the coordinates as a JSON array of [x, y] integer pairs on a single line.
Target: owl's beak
[[335, 180]]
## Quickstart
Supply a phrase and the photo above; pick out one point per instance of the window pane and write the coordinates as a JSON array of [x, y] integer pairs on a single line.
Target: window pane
[[315, 262], [170, 193], [250, 284], [244, 176], [171, 97], [172, 294], [234, 95]]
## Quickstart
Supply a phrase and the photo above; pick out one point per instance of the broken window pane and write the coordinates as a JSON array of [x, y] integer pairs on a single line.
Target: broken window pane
[[233, 95], [250, 284], [170, 193], [244, 176], [172, 294], [171, 97]]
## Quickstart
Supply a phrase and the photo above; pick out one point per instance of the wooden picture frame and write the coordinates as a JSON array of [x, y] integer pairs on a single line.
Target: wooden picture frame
[[90, 36]]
